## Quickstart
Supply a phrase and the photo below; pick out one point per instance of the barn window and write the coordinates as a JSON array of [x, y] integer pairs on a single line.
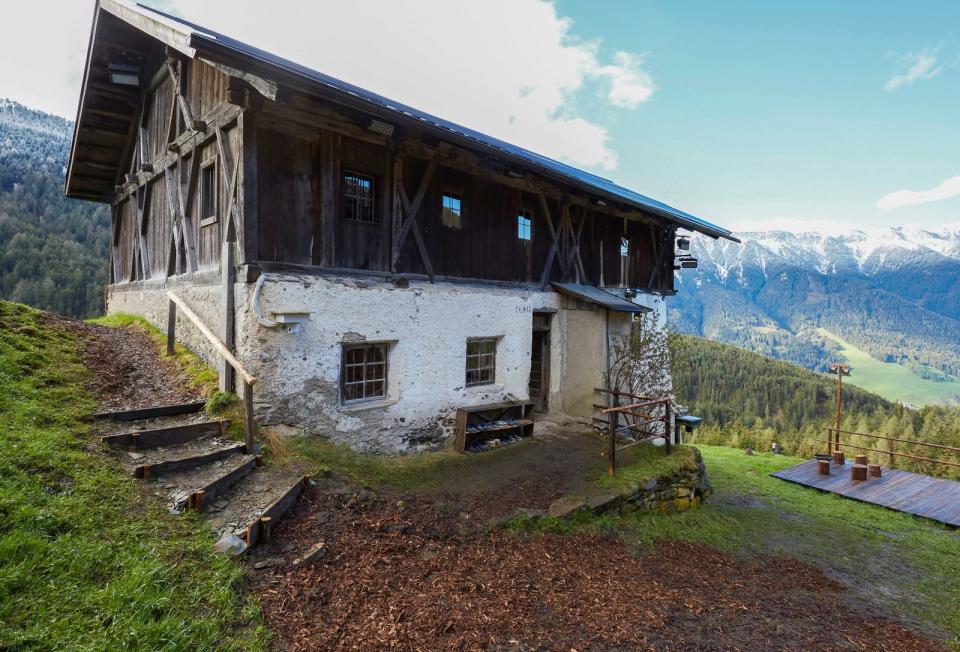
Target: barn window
[[481, 360], [524, 220], [364, 373], [359, 204], [451, 211], [624, 260], [208, 193]]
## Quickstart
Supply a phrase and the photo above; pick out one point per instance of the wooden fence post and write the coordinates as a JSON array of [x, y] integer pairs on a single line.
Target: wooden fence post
[[666, 424], [171, 326], [249, 426], [612, 422]]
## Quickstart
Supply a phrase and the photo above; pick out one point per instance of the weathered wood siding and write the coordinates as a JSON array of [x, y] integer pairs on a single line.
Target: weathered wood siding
[[206, 95]]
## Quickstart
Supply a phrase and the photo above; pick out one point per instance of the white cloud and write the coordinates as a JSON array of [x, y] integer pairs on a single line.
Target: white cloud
[[949, 189], [630, 85], [511, 68], [914, 66], [505, 67]]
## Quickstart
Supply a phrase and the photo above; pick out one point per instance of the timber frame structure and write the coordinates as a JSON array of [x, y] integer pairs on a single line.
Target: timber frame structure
[[223, 163]]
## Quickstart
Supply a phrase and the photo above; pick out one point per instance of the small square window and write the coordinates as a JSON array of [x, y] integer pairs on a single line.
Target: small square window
[[359, 198], [363, 376], [524, 220], [208, 193], [481, 361], [450, 216]]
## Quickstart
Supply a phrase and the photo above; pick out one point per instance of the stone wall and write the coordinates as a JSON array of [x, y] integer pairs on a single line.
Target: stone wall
[[674, 492]]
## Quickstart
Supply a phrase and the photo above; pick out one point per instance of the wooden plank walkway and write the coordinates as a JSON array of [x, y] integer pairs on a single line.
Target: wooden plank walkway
[[920, 495]]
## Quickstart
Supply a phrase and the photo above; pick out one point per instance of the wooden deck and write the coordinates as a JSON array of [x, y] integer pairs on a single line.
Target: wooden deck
[[920, 495]]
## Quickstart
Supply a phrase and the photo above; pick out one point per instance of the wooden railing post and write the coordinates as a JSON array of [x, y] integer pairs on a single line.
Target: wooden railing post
[[612, 423], [171, 327], [249, 425], [666, 424]]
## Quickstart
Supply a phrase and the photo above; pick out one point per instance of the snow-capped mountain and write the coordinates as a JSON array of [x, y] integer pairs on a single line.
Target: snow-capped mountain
[[893, 292]]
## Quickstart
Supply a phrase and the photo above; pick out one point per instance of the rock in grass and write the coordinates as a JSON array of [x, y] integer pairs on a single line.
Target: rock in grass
[[315, 552], [566, 506], [269, 562], [230, 544]]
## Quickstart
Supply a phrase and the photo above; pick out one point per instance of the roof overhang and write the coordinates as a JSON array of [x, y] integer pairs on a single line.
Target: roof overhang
[[194, 41], [602, 298]]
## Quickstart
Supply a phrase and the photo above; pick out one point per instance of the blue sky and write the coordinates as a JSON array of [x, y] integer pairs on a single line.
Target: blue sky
[[758, 114], [779, 110]]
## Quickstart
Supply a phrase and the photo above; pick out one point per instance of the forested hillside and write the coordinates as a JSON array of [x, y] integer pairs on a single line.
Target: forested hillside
[[749, 400], [53, 250]]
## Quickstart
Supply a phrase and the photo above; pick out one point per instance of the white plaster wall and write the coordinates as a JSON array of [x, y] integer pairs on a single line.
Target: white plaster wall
[[427, 326]]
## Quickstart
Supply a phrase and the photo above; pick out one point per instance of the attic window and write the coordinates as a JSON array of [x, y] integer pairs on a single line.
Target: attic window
[[624, 260], [624, 247], [524, 220], [450, 216], [208, 193], [359, 204]]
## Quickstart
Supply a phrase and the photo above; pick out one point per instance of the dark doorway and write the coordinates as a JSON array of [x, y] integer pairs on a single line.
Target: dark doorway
[[539, 386]]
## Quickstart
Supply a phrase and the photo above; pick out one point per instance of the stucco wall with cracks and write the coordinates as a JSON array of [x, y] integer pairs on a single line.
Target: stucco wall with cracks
[[426, 326]]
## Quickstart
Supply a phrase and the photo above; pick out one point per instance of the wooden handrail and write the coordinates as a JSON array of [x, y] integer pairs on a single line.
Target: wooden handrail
[[634, 406], [214, 340], [912, 457], [952, 449], [249, 425], [613, 427]]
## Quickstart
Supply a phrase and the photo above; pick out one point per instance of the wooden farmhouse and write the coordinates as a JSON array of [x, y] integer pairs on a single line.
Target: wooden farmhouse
[[378, 269]]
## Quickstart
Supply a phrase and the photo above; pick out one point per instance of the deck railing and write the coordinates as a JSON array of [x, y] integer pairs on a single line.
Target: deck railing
[[834, 443], [639, 414], [248, 381]]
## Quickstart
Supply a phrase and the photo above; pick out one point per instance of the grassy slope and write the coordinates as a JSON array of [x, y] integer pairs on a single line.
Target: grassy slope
[[912, 566], [892, 381], [84, 561]]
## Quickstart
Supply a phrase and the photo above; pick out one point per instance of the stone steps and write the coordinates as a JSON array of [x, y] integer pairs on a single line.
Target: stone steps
[[190, 463]]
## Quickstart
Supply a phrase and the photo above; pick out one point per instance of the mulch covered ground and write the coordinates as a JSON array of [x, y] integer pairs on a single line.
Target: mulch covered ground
[[419, 573]]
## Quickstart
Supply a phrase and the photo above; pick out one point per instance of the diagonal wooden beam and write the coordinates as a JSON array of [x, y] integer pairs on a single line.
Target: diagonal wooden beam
[[417, 236], [181, 100], [176, 223], [410, 209], [186, 221], [573, 253], [555, 247], [142, 215], [228, 162]]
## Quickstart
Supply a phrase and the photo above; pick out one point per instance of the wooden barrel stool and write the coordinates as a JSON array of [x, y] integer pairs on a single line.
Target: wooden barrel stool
[[861, 459], [838, 457], [874, 470], [823, 467], [858, 472]]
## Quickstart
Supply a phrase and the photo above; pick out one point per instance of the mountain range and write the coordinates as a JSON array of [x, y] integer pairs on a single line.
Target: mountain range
[[813, 297]]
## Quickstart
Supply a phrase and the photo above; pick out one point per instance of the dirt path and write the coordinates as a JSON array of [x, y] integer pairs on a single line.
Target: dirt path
[[126, 369], [412, 572]]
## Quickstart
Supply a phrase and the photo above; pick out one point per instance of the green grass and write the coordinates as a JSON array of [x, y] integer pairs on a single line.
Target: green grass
[[912, 566], [892, 381], [640, 463], [200, 375], [86, 560], [405, 472]]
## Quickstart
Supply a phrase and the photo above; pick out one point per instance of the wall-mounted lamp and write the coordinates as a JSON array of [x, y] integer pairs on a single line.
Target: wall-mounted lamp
[[123, 74], [683, 243]]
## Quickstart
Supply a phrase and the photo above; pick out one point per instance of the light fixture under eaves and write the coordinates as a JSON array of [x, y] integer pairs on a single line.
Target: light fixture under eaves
[[380, 127], [124, 75], [600, 203]]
